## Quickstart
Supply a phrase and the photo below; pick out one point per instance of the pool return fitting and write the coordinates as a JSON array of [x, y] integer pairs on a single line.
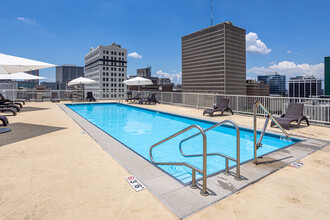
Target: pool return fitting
[[258, 144], [204, 155]]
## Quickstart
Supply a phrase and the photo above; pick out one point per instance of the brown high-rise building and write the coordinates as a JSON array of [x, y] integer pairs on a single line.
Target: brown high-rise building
[[257, 88], [214, 60]]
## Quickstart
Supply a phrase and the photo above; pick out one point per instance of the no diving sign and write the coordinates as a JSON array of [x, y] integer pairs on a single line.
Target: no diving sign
[[134, 183]]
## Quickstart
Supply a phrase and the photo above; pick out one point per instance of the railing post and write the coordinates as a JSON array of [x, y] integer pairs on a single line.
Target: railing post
[[255, 132], [238, 155], [193, 181], [227, 167], [197, 100], [204, 191]]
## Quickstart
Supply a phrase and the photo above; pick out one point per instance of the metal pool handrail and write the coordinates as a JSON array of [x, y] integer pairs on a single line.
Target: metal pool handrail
[[237, 160], [194, 169], [258, 144]]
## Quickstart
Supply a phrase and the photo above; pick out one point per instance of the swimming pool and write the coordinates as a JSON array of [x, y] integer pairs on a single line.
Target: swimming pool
[[139, 129]]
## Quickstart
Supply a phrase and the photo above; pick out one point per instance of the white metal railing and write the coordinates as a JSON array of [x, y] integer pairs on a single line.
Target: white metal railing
[[64, 95], [316, 109]]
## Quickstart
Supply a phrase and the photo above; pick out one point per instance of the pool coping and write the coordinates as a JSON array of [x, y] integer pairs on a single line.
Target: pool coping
[[180, 198]]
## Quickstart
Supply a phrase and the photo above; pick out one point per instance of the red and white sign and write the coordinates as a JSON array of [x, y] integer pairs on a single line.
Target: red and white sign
[[134, 183]]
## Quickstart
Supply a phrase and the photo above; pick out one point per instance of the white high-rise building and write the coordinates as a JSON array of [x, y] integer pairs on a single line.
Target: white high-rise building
[[108, 66]]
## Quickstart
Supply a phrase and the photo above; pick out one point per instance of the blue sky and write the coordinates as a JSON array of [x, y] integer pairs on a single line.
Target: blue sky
[[290, 37]]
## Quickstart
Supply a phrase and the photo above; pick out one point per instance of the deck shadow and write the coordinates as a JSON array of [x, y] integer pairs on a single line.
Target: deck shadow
[[23, 131], [31, 109]]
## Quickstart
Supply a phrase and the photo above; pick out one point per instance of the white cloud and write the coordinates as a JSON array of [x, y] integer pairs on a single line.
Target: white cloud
[[134, 55], [26, 20], [174, 76], [291, 69], [289, 51], [255, 45]]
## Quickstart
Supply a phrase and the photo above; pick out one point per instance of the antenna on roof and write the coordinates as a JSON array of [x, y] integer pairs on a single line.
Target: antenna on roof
[[211, 14]]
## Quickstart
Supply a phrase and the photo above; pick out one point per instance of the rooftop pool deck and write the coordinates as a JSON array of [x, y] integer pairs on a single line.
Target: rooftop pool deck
[[52, 168]]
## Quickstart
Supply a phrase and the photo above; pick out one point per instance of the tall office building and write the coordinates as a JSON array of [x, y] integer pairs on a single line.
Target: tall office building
[[214, 60], [306, 87], [144, 72], [107, 65], [326, 75], [35, 73], [66, 73], [276, 83]]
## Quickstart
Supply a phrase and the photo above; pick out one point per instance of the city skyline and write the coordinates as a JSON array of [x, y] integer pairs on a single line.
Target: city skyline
[[283, 44]]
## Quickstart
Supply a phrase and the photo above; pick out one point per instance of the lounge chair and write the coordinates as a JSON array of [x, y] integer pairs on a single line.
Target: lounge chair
[[151, 99], [145, 98], [6, 102], [4, 120], [8, 109], [18, 101], [222, 106], [294, 113], [9, 105], [90, 97], [55, 97], [137, 97]]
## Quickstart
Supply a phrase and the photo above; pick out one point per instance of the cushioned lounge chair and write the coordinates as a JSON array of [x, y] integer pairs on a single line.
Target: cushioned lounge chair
[[151, 99], [90, 97], [222, 106], [4, 120], [294, 113], [5, 102], [9, 105], [137, 97], [145, 98], [8, 109], [55, 97], [2, 98]]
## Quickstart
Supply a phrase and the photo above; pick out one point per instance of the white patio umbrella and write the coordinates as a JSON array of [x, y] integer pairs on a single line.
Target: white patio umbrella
[[12, 64], [81, 80], [138, 81]]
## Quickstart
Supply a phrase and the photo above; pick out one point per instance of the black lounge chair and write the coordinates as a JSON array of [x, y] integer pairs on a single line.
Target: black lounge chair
[[294, 113], [6, 109], [17, 102], [90, 97], [145, 98], [5, 102], [4, 120], [152, 98], [16, 107], [222, 106], [55, 97], [137, 97]]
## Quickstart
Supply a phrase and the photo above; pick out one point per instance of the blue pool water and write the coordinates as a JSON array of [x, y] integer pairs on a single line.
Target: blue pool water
[[139, 129]]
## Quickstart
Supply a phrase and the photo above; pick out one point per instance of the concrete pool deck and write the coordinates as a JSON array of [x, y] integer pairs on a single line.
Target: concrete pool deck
[[51, 168]]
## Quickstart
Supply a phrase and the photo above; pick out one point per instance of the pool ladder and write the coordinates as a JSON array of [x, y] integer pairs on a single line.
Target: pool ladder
[[257, 143], [204, 155]]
